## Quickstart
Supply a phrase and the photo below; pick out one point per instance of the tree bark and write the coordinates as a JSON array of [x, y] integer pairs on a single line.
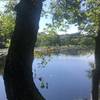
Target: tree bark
[[96, 73], [95, 85], [18, 77]]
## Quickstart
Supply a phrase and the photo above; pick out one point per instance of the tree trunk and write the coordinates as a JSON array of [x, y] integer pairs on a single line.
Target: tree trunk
[[95, 85], [96, 73], [18, 77]]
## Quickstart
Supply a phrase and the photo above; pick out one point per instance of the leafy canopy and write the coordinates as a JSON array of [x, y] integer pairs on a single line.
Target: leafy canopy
[[83, 13]]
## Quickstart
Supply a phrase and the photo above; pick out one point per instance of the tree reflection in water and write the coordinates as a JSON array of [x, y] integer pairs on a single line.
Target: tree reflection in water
[[2, 63], [93, 73], [45, 58], [90, 70]]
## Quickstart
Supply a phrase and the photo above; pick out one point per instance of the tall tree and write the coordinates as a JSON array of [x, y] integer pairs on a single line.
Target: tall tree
[[18, 68]]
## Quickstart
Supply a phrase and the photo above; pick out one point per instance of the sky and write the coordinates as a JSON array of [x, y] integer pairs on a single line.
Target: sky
[[43, 21], [1, 5], [48, 19]]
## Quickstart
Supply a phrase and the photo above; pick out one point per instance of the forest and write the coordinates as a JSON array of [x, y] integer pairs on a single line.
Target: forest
[[7, 23]]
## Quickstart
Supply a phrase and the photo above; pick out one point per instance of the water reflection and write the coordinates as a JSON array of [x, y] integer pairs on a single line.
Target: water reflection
[[62, 75], [2, 89], [68, 51], [93, 73], [90, 70], [66, 77], [2, 63]]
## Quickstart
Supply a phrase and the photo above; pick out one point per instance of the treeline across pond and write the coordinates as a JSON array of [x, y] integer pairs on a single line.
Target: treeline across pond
[[54, 39], [46, 53]]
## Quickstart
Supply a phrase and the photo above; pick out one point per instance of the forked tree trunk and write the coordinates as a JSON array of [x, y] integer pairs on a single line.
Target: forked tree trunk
[[96, 74], [18, 68]]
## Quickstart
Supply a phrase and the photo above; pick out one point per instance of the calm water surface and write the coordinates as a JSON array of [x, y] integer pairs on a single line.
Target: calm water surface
[[61, 77]]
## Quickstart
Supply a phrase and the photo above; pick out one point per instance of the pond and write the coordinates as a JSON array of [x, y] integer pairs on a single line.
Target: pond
[[61, 77]]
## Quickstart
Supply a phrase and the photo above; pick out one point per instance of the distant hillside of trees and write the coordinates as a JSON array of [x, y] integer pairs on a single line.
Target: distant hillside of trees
[[53, 39]]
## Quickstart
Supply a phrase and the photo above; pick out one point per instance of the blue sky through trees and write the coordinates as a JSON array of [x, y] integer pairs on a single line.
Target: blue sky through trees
[[47, 19]]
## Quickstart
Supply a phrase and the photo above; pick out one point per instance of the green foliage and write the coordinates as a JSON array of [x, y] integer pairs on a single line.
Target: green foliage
[[83, 13], [10, 5], [77, 39], [7, 23], [50, 39]]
